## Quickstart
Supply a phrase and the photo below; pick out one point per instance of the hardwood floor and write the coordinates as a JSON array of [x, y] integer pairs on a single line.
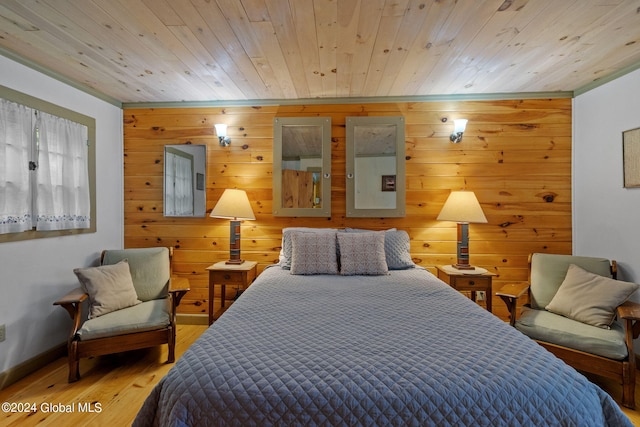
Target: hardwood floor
[[117, 385], [616, 391], [112, 386]]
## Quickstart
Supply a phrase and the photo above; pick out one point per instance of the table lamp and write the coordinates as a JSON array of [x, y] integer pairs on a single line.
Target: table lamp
[[462, 207], [234, 205]]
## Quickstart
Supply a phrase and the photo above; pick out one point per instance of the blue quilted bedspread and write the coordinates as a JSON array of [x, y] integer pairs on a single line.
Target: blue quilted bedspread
[[400, 350]]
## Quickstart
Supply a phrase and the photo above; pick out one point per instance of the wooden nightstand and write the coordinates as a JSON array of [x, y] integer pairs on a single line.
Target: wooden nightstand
[[468, 282], [223, 274]]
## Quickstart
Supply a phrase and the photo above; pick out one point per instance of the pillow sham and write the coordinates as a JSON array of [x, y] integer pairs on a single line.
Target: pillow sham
[[286, 251], [362, 253], [109, 287], [397, 248], [590, 298], [313, 253]]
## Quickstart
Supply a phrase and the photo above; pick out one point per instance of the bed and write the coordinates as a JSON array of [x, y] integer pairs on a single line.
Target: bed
[[398, 348]]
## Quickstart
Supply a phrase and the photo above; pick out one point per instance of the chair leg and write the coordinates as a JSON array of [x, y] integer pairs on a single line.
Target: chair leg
[[628, 386], [172, 345], [74, 363]]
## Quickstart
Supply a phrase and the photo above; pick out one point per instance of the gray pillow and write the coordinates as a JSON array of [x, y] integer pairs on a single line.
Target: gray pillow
[[287, 248], [109, 287], [397, 248], [590, 298], [362, 253], [313, 253]]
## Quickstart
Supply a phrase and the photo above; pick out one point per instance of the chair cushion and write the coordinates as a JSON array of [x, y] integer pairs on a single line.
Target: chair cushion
[[590, 298], [150, 270], [549, 270], [552, 328], [147, 316], [109, 287]]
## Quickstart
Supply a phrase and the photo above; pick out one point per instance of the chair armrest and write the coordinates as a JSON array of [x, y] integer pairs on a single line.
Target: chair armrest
[[629, 310], [178, 287], [72, 303], [513, 290], [177, 284], [75, 296], [510, 294]]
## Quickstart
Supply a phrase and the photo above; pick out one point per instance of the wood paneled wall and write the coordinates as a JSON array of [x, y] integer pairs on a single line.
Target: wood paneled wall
[[515, 155]]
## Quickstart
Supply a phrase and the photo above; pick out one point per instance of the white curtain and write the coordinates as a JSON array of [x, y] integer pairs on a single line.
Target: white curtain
[[178, 185], [15, 147], [62, 196]]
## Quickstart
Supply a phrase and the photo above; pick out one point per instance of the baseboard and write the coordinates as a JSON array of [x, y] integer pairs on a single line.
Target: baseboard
[[192, 319], [27, 367]]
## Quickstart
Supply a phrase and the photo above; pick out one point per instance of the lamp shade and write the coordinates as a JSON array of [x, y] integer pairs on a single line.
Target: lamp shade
[[462, 206], [233, 204]]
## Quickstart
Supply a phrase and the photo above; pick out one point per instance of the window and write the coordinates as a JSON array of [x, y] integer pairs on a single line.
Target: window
[[47, 169]]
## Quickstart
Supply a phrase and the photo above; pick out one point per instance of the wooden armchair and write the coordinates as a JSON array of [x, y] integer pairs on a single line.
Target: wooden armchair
[[598, 350], [147, 319]]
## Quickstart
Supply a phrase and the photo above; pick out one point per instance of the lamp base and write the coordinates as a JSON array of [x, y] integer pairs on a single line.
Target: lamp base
[[463, 266], [234, 243], [463, 247]]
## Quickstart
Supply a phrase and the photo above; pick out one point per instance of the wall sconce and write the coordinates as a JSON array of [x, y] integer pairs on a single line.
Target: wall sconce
[[459, 126], [221, 131]]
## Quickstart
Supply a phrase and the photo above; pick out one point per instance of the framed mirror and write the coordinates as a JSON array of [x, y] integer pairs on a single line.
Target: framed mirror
[[375, 167], [184, 180], [302, 166]]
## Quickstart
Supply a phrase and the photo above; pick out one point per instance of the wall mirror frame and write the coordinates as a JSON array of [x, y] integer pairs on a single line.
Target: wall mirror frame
[[184, 178], [302, 167], [375, 167]]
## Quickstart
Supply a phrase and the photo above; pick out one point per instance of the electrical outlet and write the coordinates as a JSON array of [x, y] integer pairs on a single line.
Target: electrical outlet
[[3, 333], [480, 296]]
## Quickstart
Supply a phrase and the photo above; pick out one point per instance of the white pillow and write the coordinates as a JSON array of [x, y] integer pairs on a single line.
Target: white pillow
[[109, 287], [590, 298]]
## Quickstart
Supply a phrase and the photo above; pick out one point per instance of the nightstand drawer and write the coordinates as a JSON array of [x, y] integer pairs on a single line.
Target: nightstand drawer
[[470, 283], [229, 277]]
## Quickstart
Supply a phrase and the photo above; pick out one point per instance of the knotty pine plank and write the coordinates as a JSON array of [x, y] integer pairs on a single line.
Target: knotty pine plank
[[284, 25], [516, 156], [328, 39]]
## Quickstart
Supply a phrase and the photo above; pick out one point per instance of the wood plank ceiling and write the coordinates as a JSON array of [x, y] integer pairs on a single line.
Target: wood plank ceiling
[[223, 50]]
